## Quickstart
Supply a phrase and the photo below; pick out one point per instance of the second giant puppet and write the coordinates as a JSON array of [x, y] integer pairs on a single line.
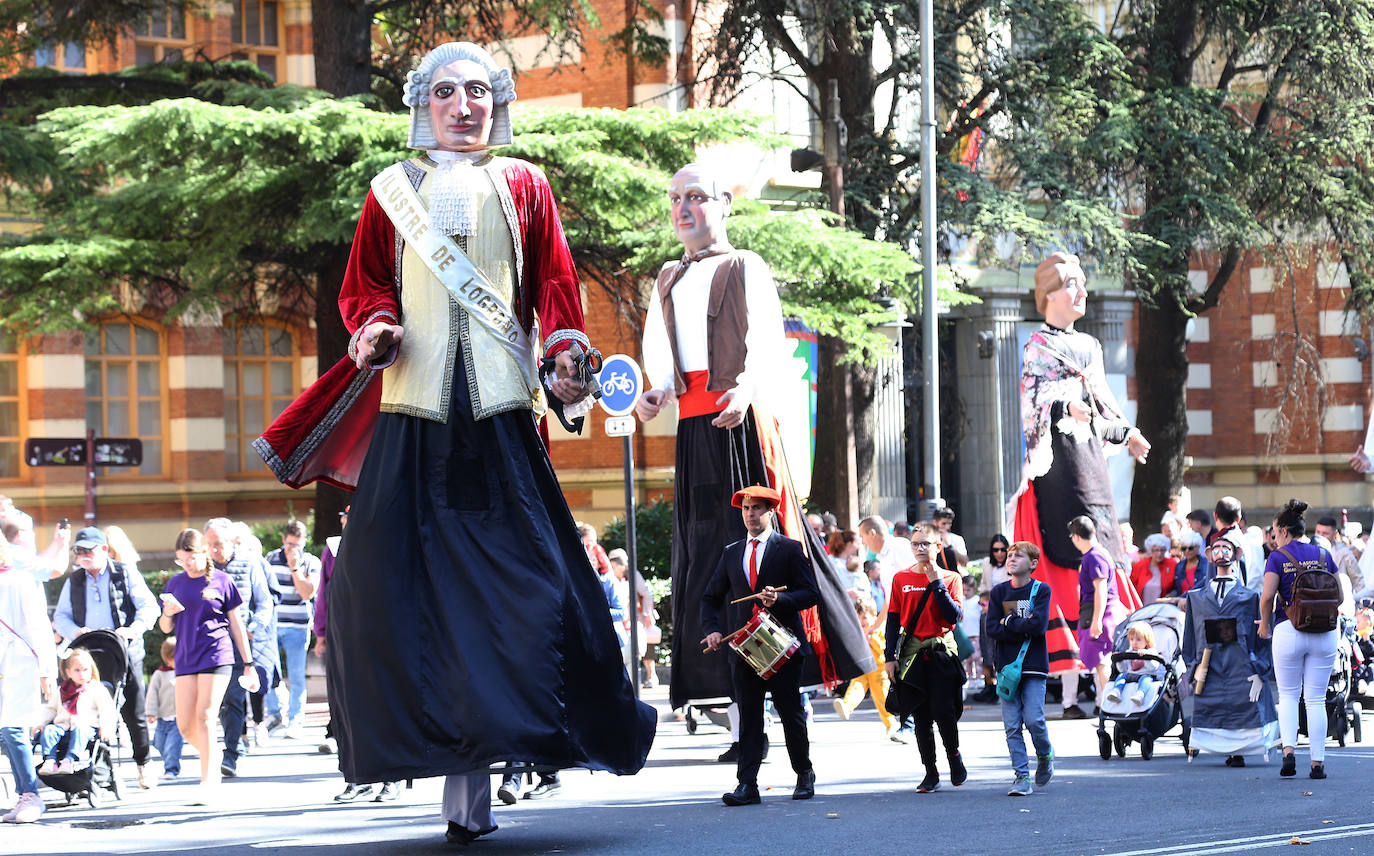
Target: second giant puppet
[[1070, 418], [712, 340], [481, 630]]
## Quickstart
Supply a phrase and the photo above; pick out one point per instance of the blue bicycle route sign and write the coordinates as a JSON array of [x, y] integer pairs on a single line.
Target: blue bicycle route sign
[[621, 382]]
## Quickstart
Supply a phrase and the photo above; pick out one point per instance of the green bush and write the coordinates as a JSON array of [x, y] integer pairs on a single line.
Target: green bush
[[654, 555]]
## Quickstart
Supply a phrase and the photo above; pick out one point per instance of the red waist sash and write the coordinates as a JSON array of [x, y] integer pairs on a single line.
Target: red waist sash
[[697, 400]]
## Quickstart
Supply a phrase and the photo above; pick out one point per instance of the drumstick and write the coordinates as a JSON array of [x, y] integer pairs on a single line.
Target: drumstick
[[729, 635], [756, 594]]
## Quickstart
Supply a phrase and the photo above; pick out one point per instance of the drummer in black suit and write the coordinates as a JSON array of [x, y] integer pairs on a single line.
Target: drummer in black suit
[[771, 567]]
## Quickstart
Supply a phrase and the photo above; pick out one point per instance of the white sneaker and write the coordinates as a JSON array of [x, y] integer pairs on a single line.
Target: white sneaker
[[29, 808], [296, 730], [261, 734], [1138, 698], [167, 778], [1114, 695], [841, 709], [48, 767]]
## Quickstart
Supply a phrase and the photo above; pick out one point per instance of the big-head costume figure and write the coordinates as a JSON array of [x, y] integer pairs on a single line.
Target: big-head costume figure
[[477, 628], [712, 339], [1071, 419]]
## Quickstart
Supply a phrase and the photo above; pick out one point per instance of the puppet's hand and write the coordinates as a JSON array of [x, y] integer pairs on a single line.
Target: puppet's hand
[[1256, 687]]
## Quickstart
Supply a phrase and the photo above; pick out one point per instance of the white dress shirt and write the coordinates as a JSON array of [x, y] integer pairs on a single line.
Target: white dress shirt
[[762, 538]]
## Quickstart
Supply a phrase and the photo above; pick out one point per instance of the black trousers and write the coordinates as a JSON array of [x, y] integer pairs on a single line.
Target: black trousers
[[785, 688], [132, 712], [936, 713]]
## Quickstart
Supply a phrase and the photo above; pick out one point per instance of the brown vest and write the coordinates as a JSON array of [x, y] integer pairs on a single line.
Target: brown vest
[[727, 322]]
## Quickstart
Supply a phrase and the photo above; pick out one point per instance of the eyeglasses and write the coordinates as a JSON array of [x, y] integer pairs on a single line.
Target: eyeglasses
[[82, 551], [921, 545], [1191, 549], [999, 549]]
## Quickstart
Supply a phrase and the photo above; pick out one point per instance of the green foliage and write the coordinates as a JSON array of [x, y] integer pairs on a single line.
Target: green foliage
[[653, 538]]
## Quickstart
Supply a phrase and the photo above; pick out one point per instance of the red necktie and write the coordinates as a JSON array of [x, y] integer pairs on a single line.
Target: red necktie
[[754, 563]]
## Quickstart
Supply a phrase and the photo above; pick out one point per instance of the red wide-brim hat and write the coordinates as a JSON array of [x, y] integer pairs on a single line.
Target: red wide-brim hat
[[757, 491]]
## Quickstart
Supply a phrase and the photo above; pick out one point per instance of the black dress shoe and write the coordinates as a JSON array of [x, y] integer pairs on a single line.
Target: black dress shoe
[[1235, 760], [729, 756], [547, 787], [462, 835], [389, 792], [353, 792], [742, 795], [806, 786]]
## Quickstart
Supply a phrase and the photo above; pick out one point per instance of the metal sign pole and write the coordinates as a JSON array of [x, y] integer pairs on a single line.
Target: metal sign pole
[[633, 571], [90, 477]]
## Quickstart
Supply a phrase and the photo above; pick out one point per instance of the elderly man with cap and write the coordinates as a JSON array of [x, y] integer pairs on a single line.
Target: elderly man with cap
[[713, 340], [1071, 422], [101, 594], [770, 570], [435, 424]]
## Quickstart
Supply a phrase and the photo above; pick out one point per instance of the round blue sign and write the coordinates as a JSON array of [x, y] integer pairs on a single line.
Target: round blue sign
[[621, 381]]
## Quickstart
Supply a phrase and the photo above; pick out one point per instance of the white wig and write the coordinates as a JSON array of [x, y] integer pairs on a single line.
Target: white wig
[[418, 84], [1190, 539], [1157, 540]]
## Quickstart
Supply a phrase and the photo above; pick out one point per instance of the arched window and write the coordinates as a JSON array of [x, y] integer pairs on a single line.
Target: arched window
[[260, 380], [125, 390]]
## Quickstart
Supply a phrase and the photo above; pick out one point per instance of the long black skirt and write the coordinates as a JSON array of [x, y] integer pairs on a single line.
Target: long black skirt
[[466, 626]]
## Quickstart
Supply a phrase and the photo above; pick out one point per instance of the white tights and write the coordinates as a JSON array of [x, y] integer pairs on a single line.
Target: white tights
[[1302, 668]]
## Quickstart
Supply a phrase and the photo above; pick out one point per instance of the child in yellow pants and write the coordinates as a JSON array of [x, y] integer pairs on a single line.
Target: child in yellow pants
[[875, 682]]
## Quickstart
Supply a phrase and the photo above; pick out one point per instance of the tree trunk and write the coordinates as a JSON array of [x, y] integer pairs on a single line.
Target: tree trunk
[[341, 31], [342, 34], [862, 389], [1161, 376], [832, 487]]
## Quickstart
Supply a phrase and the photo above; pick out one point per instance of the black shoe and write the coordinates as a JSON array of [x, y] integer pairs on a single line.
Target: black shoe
[[806, 786], [729, 756], [546, 788], [1074, 712], [389, 792], [1235, 760], [228, 770], [957, 772], [1318, 771], [509, 792], [459, 834], [1290, 767], [987, 695], [764, 756], [930, 783], [742, 795], [353, 792]]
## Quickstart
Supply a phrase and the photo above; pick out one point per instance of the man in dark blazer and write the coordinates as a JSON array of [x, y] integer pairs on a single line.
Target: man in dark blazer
[[772, 568]]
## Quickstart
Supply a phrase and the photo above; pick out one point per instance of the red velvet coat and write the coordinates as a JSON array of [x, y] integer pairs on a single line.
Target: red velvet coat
[[325, 432]]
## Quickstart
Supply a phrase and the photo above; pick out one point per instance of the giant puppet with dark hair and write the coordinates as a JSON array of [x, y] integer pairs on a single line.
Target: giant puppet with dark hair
[[1071, 421], [458, 524], [713, 337]]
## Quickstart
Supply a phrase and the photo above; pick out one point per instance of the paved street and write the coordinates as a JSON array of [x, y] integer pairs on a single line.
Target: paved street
[[865, 803]]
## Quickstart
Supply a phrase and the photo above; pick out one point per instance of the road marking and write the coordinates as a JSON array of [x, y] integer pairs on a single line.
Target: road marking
[[1231, 845]]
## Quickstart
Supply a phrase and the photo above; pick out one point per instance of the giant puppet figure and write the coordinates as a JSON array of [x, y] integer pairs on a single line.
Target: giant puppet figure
[[1070, 418], [480, 629], [712, 341]]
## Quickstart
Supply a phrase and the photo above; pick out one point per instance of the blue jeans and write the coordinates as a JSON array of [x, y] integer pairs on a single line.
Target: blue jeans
[[293, 639], [1026, 708], [168, 741], [14, 739], [233, 713], [81, 736]]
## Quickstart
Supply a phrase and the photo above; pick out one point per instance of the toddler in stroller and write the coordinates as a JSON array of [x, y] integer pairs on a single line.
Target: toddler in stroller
[[1139, 675], [82, 711]]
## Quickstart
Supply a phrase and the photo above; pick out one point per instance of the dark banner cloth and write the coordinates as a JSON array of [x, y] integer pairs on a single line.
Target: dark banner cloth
[[467, 627], [713, 463], [1077, 483]]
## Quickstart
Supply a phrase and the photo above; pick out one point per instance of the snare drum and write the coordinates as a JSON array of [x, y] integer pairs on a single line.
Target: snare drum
[[764, 644]]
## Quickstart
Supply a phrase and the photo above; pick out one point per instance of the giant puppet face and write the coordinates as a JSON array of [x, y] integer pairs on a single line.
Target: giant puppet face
[[460, 106], [699, 208], [1061, 292]]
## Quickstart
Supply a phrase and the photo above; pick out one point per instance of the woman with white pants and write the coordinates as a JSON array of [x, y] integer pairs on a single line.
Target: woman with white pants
[[1302, 661]]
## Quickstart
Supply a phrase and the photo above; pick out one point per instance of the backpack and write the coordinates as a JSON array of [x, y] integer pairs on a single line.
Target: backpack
[[1316, 598]]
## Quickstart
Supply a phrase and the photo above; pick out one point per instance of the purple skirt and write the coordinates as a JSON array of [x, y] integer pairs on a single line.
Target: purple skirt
[[1094, 651]]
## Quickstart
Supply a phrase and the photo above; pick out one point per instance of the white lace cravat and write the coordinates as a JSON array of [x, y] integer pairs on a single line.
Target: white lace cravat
[[452, 207]]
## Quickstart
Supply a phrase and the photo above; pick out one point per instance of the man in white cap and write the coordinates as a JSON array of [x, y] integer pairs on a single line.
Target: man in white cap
[[456, 255]]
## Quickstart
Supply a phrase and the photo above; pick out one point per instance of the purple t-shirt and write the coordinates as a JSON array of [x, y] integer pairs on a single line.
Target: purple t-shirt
[[202, 628], [1097, 564], [1309, 555]]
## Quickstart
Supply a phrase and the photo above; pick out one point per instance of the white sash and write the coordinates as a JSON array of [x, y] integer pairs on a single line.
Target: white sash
[[448, 263]]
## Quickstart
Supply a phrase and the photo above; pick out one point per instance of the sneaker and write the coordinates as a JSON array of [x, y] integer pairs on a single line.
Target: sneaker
[[29, 808], [1138, 698], [168, 778], [1114, 695], [294, 731], [388, 793], [958, 774], [547, 787], [1290, 766], [1021, 787], [1044, 769], [930, 783], [1318, 770], [228, 770], [272, 723], [509, 792], [902, 734], [353, 792], [65, 767], [841, 709]]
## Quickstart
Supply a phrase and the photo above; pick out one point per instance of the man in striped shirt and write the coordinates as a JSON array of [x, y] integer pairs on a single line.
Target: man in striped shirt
[[297, 574]]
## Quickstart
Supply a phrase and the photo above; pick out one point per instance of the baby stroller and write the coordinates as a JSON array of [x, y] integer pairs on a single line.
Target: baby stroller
[[112, 659], [1161, 710], [1342, 713]]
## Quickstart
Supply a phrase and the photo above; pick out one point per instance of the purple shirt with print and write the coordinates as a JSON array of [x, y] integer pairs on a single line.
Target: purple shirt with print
[[202, 628]]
